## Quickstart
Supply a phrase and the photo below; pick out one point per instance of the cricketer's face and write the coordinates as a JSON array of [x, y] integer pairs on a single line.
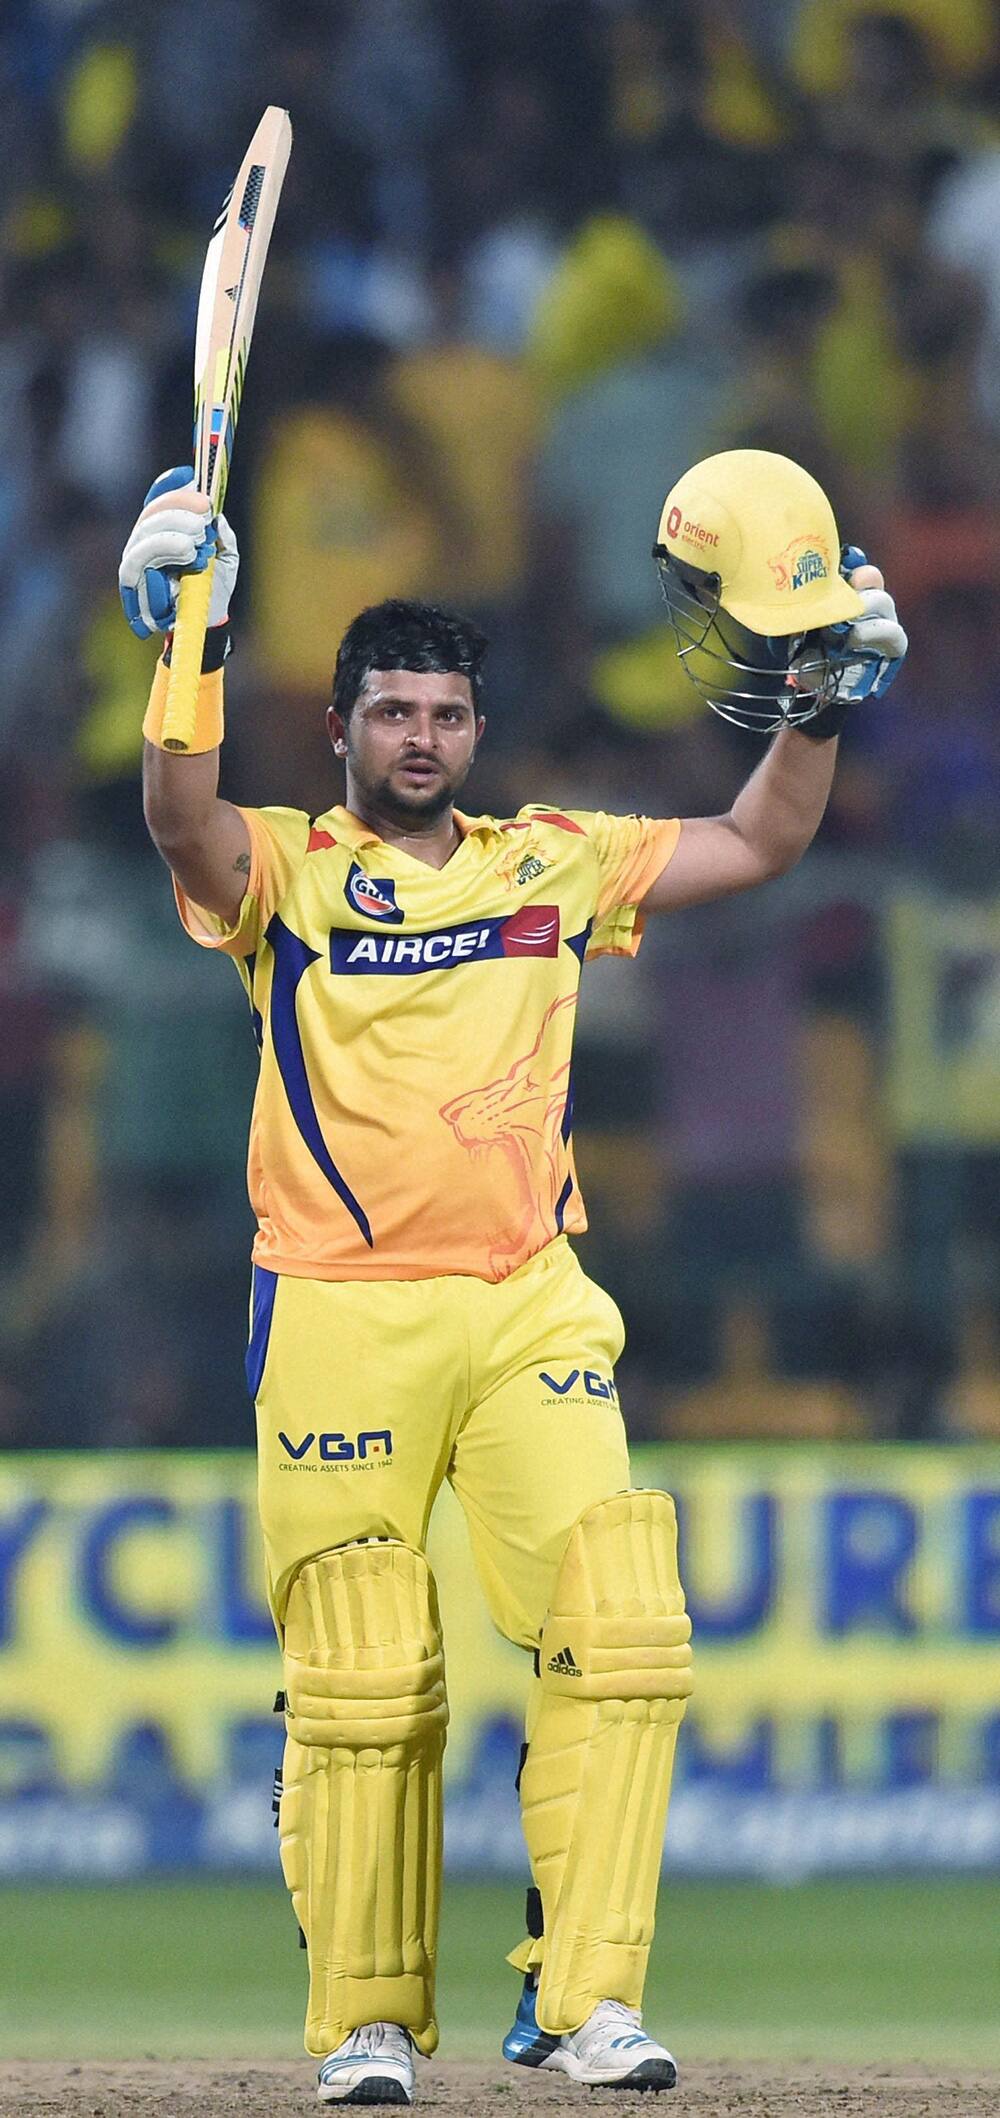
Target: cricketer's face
[[409, 742]]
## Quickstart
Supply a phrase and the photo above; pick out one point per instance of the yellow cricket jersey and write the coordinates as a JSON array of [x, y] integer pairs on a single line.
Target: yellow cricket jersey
[[414, 1111]]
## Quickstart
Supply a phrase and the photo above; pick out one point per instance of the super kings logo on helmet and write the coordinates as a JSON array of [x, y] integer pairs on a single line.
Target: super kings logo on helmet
[[801, 561], [373, 896]]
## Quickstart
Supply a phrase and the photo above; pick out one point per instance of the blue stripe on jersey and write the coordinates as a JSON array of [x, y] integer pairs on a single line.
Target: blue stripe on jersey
[[293, 956], [578, 942], [256, 1017], [567, 1117], [562, 1202], [265, 1287]]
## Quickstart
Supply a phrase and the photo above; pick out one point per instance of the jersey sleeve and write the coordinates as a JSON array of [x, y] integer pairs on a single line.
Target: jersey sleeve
[[631, 852], [278, 842]]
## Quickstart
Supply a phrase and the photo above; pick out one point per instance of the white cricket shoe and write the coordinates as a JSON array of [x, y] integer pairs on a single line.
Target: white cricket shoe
[[373, 2065], [610, 2050]]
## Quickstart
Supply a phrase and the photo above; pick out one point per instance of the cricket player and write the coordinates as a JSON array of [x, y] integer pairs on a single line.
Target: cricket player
[[417, 1309]]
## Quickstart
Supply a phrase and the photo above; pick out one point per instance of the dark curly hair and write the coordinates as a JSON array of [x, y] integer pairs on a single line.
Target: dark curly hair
[[399, 634]]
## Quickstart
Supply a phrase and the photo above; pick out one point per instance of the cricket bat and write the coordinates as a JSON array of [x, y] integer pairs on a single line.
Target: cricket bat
[[227, 305]]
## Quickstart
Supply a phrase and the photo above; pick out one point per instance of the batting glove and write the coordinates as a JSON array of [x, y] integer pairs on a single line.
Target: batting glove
[[172, 536], [869, 654]]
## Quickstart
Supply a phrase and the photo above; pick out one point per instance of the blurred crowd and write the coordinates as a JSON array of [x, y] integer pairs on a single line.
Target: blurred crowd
[[533, 259]]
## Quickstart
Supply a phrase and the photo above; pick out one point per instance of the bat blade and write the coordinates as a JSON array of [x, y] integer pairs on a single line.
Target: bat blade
[[227, 306]]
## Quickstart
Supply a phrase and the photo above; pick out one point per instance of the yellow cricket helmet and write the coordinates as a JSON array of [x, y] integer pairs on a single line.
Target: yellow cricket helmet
[[749, 560]]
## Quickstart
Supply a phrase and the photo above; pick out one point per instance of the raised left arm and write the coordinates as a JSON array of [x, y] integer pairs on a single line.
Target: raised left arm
[[772, 821], [779, 811]]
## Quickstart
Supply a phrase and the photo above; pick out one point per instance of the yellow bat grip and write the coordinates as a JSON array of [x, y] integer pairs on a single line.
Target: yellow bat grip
[[181, 705]]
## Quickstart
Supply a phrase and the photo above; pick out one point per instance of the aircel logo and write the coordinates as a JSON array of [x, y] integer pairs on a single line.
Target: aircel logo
[[333, 1451], [533, 931], [594, 1385]]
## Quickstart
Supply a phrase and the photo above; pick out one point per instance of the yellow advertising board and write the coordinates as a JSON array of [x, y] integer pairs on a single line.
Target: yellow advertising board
[[846, 1607]]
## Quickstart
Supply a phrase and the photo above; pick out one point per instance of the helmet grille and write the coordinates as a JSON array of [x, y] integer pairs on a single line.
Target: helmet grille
[[758, 683]]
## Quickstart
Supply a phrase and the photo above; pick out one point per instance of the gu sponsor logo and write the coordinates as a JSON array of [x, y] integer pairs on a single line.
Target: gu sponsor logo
[[690, 532], [374, 897], [800, 563], [534, 931], [575, 1387]]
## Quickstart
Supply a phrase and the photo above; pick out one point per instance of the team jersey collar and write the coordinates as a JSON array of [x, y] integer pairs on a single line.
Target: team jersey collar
[[351, 831]]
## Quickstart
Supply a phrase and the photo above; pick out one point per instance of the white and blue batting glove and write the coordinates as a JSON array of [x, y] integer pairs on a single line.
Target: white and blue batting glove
[[865, 656], [173, 536], [873, 647]]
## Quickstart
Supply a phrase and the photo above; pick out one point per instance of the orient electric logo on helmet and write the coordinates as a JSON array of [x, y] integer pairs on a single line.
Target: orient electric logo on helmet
[[534, 931], [674, 520], [805, 559], [376, 899], [690, 532]]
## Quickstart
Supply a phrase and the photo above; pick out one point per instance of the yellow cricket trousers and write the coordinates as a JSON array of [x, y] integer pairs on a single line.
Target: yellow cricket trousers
[[370, 1392]]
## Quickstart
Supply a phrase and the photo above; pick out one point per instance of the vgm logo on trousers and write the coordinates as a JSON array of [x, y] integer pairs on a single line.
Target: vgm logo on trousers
[[332, 1451], [374, 896], [575, 1385]]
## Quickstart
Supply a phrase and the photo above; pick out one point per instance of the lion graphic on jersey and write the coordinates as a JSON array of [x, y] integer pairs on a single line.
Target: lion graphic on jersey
[[507, 1118]]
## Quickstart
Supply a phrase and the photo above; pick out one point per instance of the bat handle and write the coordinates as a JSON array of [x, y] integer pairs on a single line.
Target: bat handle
[[181, 705]]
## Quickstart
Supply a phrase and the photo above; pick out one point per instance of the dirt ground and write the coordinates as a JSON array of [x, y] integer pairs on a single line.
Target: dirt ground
[[180, 2090]]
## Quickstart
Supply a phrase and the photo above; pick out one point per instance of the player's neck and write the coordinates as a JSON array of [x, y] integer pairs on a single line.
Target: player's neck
[[433, 842]]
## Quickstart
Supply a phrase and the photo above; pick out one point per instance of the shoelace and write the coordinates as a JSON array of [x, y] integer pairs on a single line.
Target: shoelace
[[609, 2015], [375, 2037]]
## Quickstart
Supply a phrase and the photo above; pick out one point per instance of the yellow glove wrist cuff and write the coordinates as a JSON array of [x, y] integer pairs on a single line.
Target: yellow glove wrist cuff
[[209, 720]]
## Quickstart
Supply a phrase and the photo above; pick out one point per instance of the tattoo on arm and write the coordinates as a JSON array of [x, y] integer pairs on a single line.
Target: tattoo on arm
[[242, 865]]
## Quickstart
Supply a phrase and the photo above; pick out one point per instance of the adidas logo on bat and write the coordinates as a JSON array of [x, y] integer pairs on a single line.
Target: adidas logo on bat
[[563, 1665]]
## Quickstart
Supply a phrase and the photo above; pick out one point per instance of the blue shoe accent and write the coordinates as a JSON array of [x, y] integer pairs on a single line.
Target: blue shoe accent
[[525, 2044]]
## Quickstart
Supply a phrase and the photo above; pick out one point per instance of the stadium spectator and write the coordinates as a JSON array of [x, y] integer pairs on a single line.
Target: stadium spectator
[[597, 242]]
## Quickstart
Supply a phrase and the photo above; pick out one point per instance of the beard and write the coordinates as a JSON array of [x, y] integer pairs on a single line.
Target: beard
[[409, 808]]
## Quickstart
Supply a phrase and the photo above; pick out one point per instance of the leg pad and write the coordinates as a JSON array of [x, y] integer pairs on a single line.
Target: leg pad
[[360, 1819], [615, 1671]]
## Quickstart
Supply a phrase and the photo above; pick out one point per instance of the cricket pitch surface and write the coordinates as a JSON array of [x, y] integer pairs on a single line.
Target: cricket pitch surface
[[184, 2088]]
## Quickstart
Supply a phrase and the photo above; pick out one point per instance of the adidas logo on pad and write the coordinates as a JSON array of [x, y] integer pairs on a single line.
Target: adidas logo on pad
[[563, 1664]]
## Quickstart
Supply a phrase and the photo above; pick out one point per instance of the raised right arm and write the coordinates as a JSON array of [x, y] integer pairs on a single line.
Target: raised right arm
[[203, 840]]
